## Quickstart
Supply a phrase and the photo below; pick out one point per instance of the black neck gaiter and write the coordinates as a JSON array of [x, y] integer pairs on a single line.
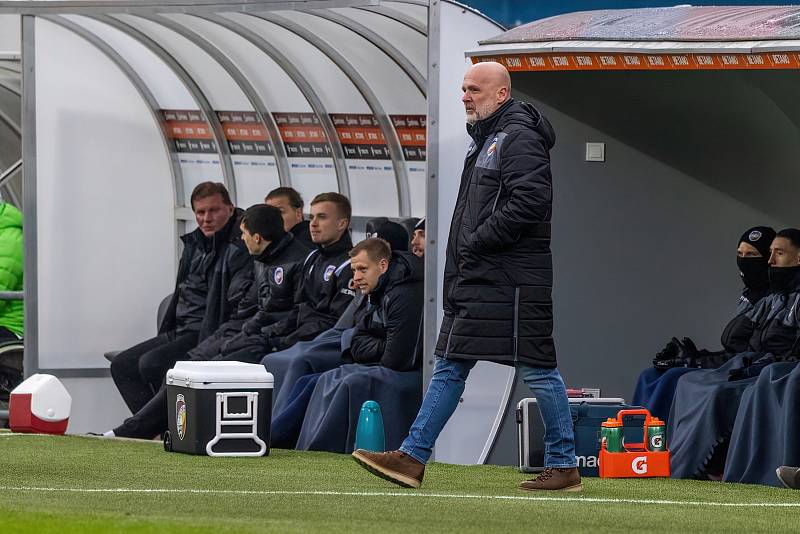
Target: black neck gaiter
[[782, 278], [754, 272]]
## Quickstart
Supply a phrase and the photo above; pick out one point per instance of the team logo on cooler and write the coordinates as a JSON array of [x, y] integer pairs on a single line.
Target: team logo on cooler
[[755, 235], [180, 416], [328, 272], [279, 275], [639, 465]]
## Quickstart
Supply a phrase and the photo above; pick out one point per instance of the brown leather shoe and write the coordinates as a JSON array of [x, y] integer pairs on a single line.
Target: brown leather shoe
[[555, 479], [394, 466], [789, 476]]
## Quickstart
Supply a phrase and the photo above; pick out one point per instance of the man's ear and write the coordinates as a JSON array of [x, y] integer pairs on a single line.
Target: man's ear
[[343, 224], [384, 265]]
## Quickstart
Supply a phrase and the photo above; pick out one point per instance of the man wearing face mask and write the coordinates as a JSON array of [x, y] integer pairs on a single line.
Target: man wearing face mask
[[655, 388], [706, 402]]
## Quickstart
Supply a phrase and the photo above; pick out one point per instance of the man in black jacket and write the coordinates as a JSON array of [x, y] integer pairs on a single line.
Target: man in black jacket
[[273, 249], [385, 335], [497, 282], [270, 297], [214, 273]]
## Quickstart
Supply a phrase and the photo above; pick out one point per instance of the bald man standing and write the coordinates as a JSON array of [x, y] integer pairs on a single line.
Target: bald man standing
[[498, 281]]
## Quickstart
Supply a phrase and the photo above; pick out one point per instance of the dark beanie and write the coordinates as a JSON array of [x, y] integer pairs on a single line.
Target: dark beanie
[[265, 221], [420, 225], [393, 233], [760, 237]]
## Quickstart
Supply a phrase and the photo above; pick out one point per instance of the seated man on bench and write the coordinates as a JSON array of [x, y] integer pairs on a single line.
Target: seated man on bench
[[383, 347]]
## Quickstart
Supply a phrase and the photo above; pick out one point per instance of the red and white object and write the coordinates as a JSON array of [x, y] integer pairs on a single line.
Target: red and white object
[[40, 405]]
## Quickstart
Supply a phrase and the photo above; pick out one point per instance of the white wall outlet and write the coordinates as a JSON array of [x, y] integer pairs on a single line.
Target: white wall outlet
[[595, 151]]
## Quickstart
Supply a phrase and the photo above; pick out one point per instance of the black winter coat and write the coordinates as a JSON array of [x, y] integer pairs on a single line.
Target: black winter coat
[[256, 308], [220, 268], [322, 294], [498, 272], [387, 334]]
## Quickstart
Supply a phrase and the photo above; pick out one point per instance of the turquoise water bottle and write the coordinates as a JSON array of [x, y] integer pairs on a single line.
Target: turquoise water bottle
[[369, 431]]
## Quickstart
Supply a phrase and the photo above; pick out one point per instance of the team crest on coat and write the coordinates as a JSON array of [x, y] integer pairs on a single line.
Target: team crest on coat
[[755, 235], [278, 277], [328, 272], [180, 416], [492, 148]]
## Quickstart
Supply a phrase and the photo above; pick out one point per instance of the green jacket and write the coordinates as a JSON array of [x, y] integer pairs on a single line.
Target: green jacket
[[11, 267]]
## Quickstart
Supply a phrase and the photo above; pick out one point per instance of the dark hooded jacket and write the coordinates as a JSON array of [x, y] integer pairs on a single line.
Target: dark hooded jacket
[[321, 296], [387, 334], [302, 233], [213, 276], [498, 272]]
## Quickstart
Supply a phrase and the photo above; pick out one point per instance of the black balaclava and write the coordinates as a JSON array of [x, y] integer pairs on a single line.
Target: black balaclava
[[755, 271]]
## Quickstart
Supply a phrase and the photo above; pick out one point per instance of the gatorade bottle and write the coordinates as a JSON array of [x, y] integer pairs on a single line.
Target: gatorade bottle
[[611, 432], [656, 435], [369, 431]]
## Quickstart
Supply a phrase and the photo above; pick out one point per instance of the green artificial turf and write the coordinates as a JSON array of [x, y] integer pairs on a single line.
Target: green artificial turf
[[31, 467]]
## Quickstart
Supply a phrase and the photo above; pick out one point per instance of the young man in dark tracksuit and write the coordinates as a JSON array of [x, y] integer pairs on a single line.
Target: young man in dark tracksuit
[[323, 290], [214, 274], [497, 282], [273, 250]]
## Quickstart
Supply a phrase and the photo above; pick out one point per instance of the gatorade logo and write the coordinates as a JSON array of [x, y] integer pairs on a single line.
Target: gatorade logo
[[656, 442], [639, 465]]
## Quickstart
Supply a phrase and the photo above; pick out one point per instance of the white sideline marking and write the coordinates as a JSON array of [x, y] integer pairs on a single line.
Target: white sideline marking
[[592, 500]]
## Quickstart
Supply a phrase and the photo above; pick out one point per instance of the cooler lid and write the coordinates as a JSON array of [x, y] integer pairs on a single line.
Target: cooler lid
[[190, 373]]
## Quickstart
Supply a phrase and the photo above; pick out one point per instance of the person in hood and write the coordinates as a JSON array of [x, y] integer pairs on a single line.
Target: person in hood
[[418, 239], [214, 273], [386, 335], [497, 281], [289, 201], [655, 388]]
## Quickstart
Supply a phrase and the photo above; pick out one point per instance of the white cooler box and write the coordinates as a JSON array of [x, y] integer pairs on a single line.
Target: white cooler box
[[219, 408]]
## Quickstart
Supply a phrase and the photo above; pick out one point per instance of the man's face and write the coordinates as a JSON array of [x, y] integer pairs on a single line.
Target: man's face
[[254, 243], [746, 250], [366, 272], [327, 225], [483, 94], [291, 216], [783, 254], [418, 243], [211, 214]]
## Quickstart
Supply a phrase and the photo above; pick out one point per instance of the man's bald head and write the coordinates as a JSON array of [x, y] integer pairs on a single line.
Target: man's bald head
[[487, 86]]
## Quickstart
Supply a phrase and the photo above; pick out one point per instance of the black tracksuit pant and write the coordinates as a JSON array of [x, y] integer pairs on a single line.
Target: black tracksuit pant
[[139, 371]]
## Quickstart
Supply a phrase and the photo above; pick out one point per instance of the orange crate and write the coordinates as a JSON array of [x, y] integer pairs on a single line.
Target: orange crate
[[636, 461]]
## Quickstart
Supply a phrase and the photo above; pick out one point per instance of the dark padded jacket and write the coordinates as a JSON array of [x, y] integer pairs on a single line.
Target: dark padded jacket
[[387, 334], [498, 273], [776, 321], [256, 306], [737, 333], [302, 233], [214, 274], [322, 294]]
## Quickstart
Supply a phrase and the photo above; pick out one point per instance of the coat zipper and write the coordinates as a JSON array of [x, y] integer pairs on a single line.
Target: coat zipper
[[497, 197]]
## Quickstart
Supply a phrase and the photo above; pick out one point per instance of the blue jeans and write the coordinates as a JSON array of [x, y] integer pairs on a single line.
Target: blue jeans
[[447, 386]]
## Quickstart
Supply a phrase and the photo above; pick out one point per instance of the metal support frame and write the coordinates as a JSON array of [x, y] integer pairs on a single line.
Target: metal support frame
[[223, 150], [386, 126], [398, 16], [9, 172], [240, 79], [305, 87], [138, 7], [379, 42], [30, 362], [431, 306]]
